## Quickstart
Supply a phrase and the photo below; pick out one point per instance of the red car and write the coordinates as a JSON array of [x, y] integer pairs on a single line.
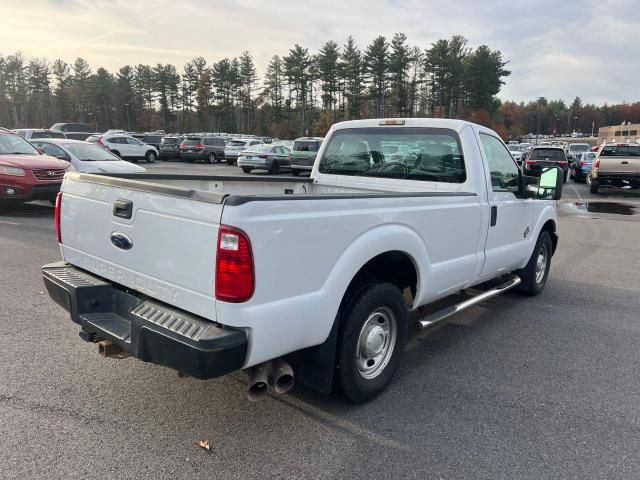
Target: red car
[[25, 173]]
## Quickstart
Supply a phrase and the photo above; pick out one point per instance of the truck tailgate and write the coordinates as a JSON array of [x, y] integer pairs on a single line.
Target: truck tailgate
[[165, 250]]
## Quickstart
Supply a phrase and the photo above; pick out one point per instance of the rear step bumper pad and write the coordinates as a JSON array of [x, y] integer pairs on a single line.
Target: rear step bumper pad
[[148, 330]]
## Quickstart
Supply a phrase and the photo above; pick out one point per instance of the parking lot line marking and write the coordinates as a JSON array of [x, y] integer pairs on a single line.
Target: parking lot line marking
[[577, 193], [10, 223]]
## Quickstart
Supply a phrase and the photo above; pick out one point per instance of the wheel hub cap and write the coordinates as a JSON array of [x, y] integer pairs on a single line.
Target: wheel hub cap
[[376, 343], [541, 265]]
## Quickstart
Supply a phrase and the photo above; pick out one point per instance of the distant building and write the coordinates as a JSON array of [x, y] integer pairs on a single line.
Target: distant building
[[619, 133]]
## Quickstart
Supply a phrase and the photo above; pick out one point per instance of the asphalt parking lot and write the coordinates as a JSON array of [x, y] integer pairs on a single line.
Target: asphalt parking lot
[[517, 388]]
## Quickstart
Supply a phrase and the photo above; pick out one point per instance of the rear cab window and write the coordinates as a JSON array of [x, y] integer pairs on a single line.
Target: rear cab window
[[620, 151], [427, 154], [306, 146], [547, 154]]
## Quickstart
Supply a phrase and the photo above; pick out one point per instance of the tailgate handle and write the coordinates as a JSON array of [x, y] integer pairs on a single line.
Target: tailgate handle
[[122, 208], [624, 162]]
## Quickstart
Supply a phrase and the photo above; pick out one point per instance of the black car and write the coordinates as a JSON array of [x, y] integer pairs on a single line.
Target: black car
[[170, 147], [541, 157], [153, 139], [207, 149], [72, 127]]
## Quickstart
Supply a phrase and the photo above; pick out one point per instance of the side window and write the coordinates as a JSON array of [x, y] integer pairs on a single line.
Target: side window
[[53, 151], [502, 167], [131, 141], [208, 141], [278, 150]]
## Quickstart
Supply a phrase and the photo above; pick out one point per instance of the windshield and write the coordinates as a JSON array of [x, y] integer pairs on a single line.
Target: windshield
[[191, 141], [16, 145], [513, 148], [621, 151], [547, 154], [169, 141], [430, 154], [306, 146], [90, 153], [579, 148]]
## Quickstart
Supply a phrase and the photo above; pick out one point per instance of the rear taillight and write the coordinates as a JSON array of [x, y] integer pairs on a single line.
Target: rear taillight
[[563, 163], [582, 164], [198, 146], [531, 162], [102, 144], [57, 216], [235, 280], [596, 165]]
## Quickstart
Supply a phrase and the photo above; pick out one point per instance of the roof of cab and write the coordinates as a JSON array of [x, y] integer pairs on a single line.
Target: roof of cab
[[457, 125]]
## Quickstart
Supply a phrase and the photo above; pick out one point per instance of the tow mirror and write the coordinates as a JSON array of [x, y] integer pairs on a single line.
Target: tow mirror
[[550, 184]]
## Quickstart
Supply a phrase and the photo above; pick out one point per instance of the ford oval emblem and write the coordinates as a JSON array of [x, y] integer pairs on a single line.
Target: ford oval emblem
[[121, 241]]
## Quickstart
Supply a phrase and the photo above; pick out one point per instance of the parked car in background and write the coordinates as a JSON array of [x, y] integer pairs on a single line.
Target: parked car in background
[[125, 146], [72, 127], [264, 157], [33, 133], [237, 145], [581, 166], [616, 165], [25, 173], [153, 139], [170, 147], [516, 152], [86, 157], [574, 149], [82, 136], [207, 149], [303, 153], [542, 157]]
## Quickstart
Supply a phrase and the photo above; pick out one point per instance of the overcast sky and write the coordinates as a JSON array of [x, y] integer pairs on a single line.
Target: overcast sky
[[556, 48]]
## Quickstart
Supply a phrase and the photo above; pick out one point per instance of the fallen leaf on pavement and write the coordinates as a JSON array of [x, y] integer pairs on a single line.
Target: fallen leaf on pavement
[[203, 444]]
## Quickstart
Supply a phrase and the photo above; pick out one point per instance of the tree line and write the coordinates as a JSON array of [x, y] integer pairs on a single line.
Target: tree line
[[300, 92]]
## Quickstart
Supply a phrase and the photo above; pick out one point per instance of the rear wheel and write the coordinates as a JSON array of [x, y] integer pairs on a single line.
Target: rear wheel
[[534, 275], [116, 153], [246, 169], [371, 339], [593, 185], [151, 156], [212, 158], [274, 168]]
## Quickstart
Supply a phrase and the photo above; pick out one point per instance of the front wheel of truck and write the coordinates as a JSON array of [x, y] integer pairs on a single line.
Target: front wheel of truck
[[371, 340], [534, 276]]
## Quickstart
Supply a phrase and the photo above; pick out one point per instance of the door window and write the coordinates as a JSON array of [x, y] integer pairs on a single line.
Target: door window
[[502, 168], [132, 141]]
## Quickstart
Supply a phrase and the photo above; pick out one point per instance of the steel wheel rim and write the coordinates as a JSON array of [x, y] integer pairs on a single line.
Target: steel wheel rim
[[541, 264], [376, 343]]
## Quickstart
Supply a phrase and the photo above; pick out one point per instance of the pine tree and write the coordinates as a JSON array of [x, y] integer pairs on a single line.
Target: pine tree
[[376, 64]]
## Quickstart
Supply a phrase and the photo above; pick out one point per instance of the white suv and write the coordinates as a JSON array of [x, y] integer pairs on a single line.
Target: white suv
[[125, 147]]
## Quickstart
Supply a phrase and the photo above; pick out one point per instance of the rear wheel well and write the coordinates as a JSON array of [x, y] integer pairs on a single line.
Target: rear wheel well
[[394, 267]]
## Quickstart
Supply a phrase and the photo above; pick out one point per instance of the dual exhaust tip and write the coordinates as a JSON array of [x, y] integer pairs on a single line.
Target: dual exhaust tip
[[276, 375]]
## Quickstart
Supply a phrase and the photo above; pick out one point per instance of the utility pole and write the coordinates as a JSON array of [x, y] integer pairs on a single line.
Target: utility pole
[[128, 123], [574, 123]]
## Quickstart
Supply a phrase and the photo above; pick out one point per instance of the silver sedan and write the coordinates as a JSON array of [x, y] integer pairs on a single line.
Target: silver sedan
[[264, 157]]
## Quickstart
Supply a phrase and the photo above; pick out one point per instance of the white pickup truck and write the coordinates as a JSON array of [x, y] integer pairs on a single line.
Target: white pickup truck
[[305, 277]]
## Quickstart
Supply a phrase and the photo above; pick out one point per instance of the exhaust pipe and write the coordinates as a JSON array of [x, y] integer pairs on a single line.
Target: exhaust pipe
[[281, 378], [276, 374], [258, 381], [109, 349]]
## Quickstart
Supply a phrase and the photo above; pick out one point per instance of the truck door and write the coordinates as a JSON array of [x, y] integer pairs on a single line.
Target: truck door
[[508, 239]]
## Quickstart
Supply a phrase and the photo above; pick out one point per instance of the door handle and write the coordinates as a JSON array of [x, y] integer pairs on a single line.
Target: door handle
[[624, 162], [494, 216]]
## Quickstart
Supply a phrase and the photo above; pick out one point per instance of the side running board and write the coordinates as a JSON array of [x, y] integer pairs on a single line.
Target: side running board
[[441, 315]]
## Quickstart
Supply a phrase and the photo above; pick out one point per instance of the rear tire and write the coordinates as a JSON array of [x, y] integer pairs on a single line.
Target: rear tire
[[246, 169], [116, 153], [593, 186], [151, 156], [534, 276], [371, 340], [212, 158], [274, 168]]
